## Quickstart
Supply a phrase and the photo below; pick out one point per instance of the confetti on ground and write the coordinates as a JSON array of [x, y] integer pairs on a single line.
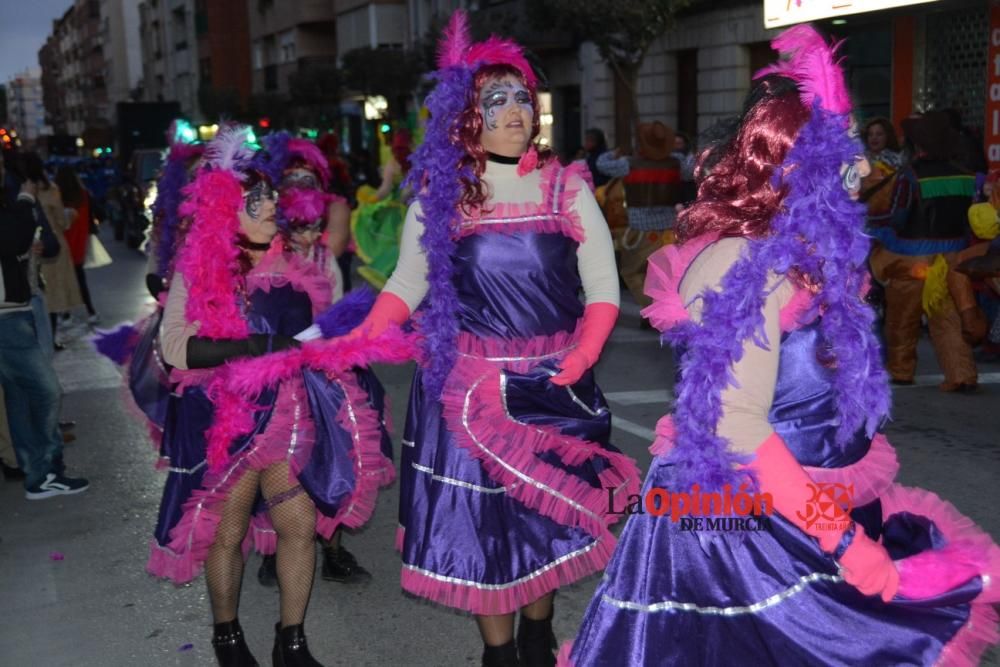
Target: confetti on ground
[[55, 555], [186, 647]]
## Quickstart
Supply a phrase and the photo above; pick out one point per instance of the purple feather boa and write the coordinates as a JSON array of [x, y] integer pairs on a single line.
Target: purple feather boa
[[347, 313], [436, 175], [818, 209]]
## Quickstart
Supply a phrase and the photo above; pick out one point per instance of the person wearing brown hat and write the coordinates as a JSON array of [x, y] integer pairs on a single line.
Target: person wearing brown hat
[[652, 181], [918, 243]]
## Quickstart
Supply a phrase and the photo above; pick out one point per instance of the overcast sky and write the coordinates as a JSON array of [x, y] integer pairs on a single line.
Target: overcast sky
[[24, 25]]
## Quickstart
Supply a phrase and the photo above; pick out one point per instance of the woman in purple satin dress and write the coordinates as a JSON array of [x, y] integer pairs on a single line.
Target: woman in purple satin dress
[[505, 457], [782, 393]]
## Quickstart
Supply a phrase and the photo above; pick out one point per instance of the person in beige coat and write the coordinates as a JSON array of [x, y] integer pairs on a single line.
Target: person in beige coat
[[62, 291]]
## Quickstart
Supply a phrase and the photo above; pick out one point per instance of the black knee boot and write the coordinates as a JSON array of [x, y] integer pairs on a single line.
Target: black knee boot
[[500, 656], [536, 643], [290, 648], [231, 649]]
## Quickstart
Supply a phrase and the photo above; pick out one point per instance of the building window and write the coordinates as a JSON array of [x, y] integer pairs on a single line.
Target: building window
[[286, 47], [270, 78], [258, 55]]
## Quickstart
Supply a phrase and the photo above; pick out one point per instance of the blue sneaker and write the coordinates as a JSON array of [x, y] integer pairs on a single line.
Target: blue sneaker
[[56, 485]]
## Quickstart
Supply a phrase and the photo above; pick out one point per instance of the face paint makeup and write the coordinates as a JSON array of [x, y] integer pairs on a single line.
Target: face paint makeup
[[498, 96], [253, 198], [311, 227]]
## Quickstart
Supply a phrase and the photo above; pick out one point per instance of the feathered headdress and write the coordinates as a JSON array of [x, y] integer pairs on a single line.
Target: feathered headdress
[[305, 150], [812, 63], [457, 50], [437, 175], [209, 257], [281, 149]]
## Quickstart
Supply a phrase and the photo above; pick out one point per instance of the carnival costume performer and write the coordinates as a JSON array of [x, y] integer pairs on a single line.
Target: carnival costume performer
[[304, 213], [377, 223], [506, 452], [781, 394], [250, 413]]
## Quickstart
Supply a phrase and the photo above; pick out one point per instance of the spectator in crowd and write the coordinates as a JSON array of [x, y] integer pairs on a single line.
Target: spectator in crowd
[[62, 290], [8, 457], [31, 390], [927, 226], [881, 144], [652, 190], [595, 145], [78, 203], [684, 152]]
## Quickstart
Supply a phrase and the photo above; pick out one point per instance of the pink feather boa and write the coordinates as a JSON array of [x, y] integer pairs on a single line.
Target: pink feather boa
[[304, 205], [209, 258], [307, 151]]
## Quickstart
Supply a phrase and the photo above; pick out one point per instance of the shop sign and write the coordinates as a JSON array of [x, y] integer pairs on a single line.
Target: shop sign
[[779, 13]]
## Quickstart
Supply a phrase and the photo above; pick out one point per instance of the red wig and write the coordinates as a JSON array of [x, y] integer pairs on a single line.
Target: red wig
[[740, 194], [470, 131]]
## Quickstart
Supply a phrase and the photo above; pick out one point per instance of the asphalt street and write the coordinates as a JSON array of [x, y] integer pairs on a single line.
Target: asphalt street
[[73, 589]]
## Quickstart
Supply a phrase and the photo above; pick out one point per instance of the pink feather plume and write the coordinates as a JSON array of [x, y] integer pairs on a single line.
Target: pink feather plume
[[304, 206], [313, 156], [812, 63], [456, 48]]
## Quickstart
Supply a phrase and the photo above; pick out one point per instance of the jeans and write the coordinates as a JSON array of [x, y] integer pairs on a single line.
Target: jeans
[[42, 325], [31, 395]]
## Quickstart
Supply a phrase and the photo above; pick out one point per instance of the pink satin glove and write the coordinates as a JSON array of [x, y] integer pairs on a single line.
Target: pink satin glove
[[866, 565], [598, 323]]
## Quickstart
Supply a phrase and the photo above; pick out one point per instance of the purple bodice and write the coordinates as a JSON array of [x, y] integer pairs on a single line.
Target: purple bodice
[[517, 285], [804, 412], [279, 310]]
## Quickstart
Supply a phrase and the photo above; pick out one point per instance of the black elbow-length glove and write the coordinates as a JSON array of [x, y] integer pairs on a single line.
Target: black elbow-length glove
[[207, 353]]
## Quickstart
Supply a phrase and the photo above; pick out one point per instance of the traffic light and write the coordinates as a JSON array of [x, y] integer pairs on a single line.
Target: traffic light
[[264, 122], [384, 128]]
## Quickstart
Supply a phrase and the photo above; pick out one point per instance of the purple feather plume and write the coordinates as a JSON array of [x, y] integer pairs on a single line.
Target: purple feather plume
[[275, 157], [166, 207], [437, 176], [117, 344], [834, 256], [346, 314]]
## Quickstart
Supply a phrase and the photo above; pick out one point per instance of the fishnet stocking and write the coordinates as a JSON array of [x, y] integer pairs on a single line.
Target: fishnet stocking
[[224, 565], [294, 520]]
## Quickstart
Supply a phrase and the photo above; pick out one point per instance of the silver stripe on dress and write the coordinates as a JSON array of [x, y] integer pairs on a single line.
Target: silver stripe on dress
[[539, 357], [499, 587], [458, 482], [294, 440], [522, 218], [517, 473], [187, 471], [754, 608], [572, 395], [407, 443]]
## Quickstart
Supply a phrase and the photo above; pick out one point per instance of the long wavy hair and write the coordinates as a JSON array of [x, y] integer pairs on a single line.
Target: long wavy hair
[[469, 132], [743, 188]]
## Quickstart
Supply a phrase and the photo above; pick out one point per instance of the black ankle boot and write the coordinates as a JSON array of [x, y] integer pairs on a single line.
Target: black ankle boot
[[231, 649], [536, 643], [341, 566], [290, 648], [500, 656]]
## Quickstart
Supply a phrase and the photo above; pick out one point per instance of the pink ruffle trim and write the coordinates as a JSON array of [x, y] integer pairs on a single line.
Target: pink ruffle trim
[[473, 408], [563, 657], [667, 268], [664, 273], [555, 214], [278, 269], [980, 631], [475, 599], [871, 476]]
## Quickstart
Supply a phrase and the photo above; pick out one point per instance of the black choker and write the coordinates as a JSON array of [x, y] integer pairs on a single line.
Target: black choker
[[247, 244], [502, 159]]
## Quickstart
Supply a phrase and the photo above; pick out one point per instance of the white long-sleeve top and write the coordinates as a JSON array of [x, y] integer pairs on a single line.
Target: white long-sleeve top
[[595, 255]]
